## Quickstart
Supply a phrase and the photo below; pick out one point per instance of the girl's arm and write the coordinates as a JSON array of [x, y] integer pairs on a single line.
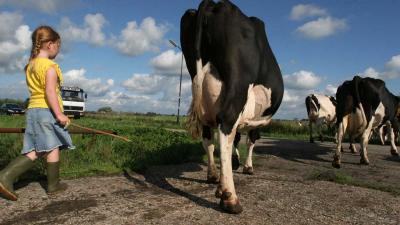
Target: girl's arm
[[51, 96]]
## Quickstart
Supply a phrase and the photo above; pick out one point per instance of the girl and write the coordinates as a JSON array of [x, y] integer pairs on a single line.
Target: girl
[[45, 133]]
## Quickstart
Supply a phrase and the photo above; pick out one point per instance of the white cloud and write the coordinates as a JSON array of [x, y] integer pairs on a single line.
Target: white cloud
[[302, 11], [45, 6], [156, 93], [322, 27], [144, 83], [14, 42], [91, 31], [169, 63], [14, 90], [289, 97], [370, 72], [293, 105], [392, 70], [12, 21], [301, 80], [330, 90], [135, 40], [94, 87], [394, 63]]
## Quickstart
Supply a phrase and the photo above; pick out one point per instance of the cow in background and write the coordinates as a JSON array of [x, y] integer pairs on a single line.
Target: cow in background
[[320, 110], [362, 105], [236, 84]]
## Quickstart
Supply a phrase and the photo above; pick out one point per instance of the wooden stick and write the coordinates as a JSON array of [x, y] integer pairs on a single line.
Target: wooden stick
[[98, 131]]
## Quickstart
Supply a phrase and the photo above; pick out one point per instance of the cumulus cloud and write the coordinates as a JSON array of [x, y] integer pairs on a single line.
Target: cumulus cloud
[[14, 42], [14, 90], [391, 71], [94, 87], [161, 93], [370, 72], [302, 80], [169, 63], [137, 39], [45, 6], [394, 63], [302, 11], [120, 101], [322, 27], [144, 83], [91, 31], [330, 90]]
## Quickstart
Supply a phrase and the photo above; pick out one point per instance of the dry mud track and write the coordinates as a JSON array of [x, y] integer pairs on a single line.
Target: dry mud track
[[278, 193]]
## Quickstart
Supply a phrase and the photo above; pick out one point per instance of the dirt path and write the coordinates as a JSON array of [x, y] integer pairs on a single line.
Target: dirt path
[[278, 193]]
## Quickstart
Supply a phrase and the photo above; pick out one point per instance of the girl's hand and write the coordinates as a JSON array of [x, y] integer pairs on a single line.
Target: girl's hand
[[63, 119]]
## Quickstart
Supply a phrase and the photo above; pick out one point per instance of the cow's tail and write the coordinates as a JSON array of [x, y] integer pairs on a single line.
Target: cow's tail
[[358, 103], [193, 124]]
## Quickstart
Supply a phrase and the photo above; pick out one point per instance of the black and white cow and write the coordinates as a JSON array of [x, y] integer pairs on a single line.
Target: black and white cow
[[321, 109], [236, 84], [362, 105]]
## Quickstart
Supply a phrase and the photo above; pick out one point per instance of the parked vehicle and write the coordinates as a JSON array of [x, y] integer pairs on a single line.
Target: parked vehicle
[[73, 101], [11, 109]]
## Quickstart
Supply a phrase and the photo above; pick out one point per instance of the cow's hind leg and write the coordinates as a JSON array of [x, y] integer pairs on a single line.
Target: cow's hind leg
[[208, 145], [236, 154], [393, 148], [340, 133], [253, 135], [364, 142], [226, 189], [352, 146]]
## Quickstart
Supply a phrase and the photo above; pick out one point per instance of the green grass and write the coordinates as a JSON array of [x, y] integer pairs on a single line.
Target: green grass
[[152, 143], [342, 178], [101, 155]]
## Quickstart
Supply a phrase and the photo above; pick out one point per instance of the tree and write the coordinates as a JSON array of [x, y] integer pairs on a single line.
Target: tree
[[106, 109]]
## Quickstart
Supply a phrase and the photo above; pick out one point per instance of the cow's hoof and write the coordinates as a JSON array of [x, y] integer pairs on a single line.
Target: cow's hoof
[[394, 152], [311, 140], [212, 179], [248, 170], [364, 161], [231, 207], [336, 162], [218, 192], [341, 149], [353, 149], [235, 162]]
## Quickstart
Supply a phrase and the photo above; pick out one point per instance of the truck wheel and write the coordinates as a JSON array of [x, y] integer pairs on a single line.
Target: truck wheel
[[77, 116]]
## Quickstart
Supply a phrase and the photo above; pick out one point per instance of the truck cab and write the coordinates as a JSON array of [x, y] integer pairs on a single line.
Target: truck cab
[[73, 101]]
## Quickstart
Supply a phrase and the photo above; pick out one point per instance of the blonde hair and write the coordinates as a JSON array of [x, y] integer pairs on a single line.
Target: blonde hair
[[40, 36]]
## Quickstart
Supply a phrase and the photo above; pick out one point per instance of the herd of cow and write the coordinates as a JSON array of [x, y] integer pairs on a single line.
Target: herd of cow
[[362, 105], [237, 86]]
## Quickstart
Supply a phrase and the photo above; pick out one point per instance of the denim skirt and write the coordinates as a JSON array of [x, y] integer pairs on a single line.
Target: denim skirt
[[43, 133]]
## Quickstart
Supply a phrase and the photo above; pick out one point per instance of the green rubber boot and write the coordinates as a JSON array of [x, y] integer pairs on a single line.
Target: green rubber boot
[[54, 186], [9, 174]]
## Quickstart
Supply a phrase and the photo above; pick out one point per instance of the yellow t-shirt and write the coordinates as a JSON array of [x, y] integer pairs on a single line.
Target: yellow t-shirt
[[36, 80]]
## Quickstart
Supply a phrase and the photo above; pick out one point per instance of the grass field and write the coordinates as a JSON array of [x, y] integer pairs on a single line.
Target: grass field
[[98, 154], [154, 141]]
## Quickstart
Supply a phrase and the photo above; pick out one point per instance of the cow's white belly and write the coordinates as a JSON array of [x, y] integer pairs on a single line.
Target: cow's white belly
[[210, 100], [379, 114], [258, 99], [356, 122]]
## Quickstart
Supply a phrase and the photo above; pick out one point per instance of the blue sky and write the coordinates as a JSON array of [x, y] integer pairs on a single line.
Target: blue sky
[[118, 51]]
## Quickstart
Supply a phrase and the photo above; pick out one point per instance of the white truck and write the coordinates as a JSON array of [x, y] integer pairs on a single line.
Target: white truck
[[73, 101]]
